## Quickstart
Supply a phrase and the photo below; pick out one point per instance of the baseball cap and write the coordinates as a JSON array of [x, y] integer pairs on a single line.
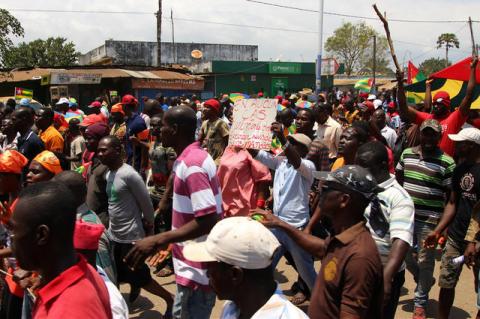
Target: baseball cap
[[431, 123], [377, 103], [95, 104], [372, 97], [354, 178], [300, 138], [24, 102], [293, 96], [214, 104], [63, 100], [237, 241], [471, 134], [129, 99], [117, 108], [442, 97], [72, 102]]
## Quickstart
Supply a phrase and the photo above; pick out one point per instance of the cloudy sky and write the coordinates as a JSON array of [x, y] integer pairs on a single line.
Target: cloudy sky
[[413, 41]]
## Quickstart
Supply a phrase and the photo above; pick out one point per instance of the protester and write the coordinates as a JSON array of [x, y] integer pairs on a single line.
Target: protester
[[350, 140], [451, 122], [387, 132], [394, 237], [150, 108], [43, 242], [349, 284], [96, 108], [131, 218], [43, 167], [328, 130], [285, 117], [73, 108], [86, 242], [77, 144], [52, 139], [76, 184], [119, 128], [239, 251], [425, 172], [136, 129], [29, 144], [8, 136], [291, 186], [214, 132], [196, 207], [456, 216]]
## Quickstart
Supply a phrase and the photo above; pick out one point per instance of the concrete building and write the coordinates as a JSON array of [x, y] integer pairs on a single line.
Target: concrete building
[[145, 54]]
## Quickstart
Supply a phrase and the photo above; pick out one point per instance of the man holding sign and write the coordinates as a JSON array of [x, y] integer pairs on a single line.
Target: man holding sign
[[291, 186]]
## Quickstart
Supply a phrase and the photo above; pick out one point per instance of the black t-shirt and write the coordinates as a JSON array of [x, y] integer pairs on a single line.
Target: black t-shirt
[[466, 184]]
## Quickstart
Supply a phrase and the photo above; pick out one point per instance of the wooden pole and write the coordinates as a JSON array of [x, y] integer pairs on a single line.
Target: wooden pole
[[389, 38], [474, 47]]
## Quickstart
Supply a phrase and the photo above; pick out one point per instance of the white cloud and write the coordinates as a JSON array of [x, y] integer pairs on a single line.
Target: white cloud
[[88, 31]]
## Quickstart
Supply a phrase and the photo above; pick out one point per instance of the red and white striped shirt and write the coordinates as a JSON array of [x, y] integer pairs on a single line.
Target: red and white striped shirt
[[196, 193]]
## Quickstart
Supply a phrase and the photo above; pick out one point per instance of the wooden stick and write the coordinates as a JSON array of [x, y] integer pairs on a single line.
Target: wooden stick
[[389, 38], [474, 48]]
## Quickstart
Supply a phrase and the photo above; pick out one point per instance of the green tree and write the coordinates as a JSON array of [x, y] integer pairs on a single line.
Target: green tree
[[352, 43], [447, 40], [9, 26], [432, 65], [382, 59], [52, 52]]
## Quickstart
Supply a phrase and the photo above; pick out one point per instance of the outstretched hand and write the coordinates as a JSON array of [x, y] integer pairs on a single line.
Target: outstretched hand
[[141, 250], [265, 217]]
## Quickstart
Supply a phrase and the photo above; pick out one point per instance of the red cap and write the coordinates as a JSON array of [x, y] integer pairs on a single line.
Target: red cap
[[95, 104], [391, 105], [129, 99], [442, 97], [260, 94], [279, 98], [363, 95], [285, 103], [214, 104], [86, 235], [370, 106]]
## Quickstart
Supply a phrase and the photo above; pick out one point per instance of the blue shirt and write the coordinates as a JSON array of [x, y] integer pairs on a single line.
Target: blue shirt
[[290, 188], [134, 125]]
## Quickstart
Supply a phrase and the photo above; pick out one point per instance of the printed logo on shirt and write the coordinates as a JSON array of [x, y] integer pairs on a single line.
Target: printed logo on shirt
[[467, 182], [330, 271]]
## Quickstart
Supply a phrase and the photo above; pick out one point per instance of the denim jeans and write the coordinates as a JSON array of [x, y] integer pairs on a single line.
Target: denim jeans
[[303, 260], [193, 304], [422, 267]]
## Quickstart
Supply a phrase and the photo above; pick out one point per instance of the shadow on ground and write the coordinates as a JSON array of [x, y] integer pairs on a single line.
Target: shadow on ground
[[457, 313]]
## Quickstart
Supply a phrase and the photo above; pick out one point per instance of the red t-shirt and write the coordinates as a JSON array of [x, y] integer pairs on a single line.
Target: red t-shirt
[[452, 124], [77, 293]]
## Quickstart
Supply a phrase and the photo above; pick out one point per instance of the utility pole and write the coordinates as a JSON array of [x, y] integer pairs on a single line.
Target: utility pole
[[159, 33], [318, 73], [374, 67], [174, 53]]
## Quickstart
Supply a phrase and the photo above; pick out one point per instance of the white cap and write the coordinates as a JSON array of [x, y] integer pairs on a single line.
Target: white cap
[[377, 103], [237, 241], [371, 97], [467, 134], [63, 100]]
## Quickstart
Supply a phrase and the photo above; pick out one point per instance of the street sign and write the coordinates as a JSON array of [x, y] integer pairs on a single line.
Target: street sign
[[329, 66]]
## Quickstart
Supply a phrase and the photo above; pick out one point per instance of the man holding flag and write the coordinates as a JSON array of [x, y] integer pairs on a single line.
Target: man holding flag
[[451, 122]]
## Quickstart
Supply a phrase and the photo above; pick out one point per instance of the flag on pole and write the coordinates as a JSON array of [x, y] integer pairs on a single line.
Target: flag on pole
[[364, 85], [21, 93]]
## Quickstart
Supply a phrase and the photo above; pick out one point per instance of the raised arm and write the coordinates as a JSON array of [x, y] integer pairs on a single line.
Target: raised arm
[[407, 114], [292, 156], [468, 99], [427, 103]]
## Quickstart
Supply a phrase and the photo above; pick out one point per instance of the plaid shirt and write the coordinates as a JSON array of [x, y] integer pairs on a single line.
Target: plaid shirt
[[318, 154]]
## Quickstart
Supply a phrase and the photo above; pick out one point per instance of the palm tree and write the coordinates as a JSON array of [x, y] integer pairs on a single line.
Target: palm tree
[[448, 40]]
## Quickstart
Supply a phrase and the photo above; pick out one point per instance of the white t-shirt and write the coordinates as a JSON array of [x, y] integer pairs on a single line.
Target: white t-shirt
[[277, 307], [117, 303], [77, 146]]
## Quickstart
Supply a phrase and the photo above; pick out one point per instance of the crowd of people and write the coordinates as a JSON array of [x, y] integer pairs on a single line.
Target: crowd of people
[[116, 193]]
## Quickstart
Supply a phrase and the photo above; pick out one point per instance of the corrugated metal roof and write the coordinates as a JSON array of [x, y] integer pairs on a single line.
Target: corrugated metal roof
[[37, 73]]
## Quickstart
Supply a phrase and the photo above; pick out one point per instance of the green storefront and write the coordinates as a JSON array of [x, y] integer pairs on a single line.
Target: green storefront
[[272, 78]]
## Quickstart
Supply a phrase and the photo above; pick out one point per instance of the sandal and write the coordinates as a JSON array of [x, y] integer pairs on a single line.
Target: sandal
[[165, 272]]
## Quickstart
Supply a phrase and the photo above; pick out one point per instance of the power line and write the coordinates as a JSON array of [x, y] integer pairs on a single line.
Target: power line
[[354, 16]]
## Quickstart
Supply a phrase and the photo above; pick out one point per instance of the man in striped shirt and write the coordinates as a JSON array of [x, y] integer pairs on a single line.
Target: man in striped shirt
[[426, 174], [197, 205]]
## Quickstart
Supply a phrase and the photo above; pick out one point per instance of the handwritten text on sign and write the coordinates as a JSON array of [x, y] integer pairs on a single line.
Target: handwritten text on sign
[[252, 119]]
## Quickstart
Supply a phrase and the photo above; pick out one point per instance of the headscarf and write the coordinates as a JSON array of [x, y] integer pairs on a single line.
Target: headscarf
[[12, 161], [49, 161]]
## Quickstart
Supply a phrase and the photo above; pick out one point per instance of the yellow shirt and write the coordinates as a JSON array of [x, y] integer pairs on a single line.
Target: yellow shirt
[[339, 162], [52, 139]]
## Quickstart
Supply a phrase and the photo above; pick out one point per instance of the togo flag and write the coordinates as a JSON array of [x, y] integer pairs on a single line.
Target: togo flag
[[23, 93], [364, 85]]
